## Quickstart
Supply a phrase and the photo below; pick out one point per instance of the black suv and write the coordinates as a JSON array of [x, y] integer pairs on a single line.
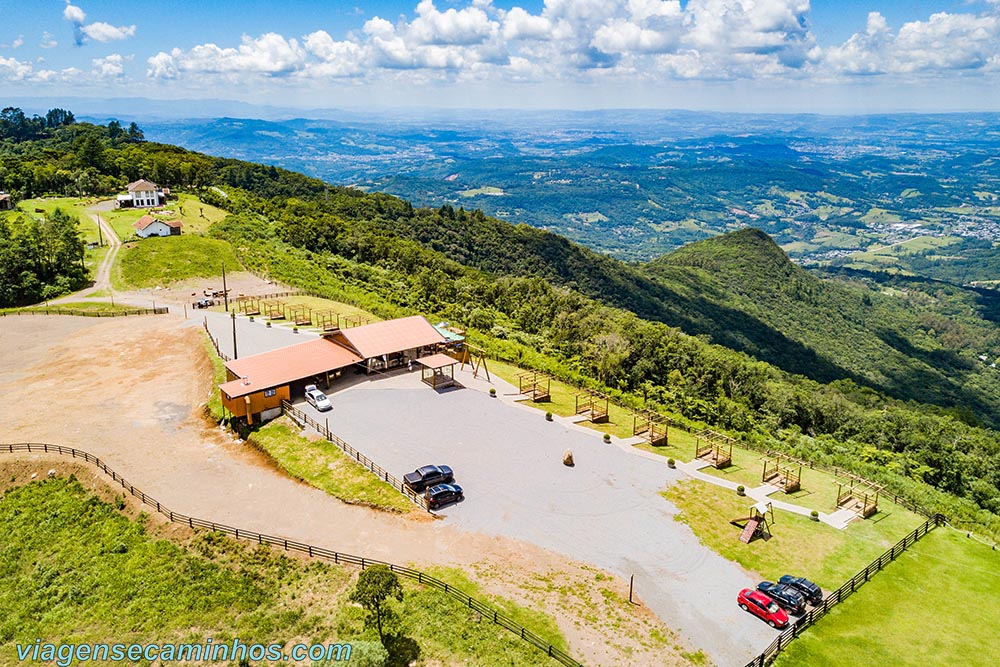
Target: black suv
[[428, 476], [787, 597], [812, 592], [442, 494]]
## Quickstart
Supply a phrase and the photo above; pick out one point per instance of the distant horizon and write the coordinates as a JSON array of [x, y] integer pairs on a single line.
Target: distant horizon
[[828, 57]]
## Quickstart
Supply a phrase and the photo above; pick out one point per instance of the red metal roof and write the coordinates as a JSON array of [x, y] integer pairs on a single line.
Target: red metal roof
[[143, 222], [438, 360], [286, 365], [391, 336]]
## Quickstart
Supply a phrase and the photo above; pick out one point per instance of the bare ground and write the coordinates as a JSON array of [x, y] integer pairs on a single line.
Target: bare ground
[[132, 390]]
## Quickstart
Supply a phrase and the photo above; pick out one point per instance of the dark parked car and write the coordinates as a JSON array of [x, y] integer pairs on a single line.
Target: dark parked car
[[812, 592], [204, 303], [760, 605], [443, 494], [788, 598], [428, 476]]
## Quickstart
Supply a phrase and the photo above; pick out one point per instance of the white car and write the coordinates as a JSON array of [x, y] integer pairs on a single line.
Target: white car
[[317, 399]]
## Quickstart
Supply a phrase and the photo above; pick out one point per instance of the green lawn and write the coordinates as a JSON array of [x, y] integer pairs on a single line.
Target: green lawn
[[218, 377], [322, 464], [73, 569], [798, 545], [160, 261], [195, 215], [74, 206], [937, 605]]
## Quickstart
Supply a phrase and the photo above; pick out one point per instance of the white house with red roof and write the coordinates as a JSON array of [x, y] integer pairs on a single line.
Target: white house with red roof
[[147, 226]]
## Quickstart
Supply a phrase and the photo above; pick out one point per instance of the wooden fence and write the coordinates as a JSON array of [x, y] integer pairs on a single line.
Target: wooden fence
[[305, 420], [845, 591], [86, 312], [485, 611], [215, 343]]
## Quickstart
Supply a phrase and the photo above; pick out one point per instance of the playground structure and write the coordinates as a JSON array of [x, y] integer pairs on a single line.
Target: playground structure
[[299, 314], [538, 386], [273, 309], [757, 525], [652, 428], [248, 305], [474, 356], [593, 407], [327, 320], [780, 471], [860, 497], [715, 448], [354, 321]]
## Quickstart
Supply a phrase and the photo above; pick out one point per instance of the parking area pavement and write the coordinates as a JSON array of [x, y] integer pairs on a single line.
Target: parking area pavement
[[606, 510], [251, 337]]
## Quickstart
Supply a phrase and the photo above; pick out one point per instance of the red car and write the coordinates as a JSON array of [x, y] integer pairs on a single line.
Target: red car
[[761, 605]]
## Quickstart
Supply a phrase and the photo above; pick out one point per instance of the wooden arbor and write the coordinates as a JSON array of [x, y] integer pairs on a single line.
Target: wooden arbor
[[757, 525], [248, 305], [593, 407], [652, 428], [860, 497], [274, 310], [327, 320], [354, 321], [299, 314], [714, 447], [538, 386], [780, 471], [438, 370]]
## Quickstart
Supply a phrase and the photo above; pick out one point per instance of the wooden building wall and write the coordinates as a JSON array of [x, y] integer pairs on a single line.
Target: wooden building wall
[[257, 403]]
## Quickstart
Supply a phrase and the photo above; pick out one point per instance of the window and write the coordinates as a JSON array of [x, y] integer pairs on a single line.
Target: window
[[270, 392]]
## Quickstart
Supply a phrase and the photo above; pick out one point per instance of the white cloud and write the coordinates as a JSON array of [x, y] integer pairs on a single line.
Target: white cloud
[[269, 54], [47, 41], [470, 25], [519, 24], [16, 44], [109, 67], [12, 69], [105, 32], [74, 14]]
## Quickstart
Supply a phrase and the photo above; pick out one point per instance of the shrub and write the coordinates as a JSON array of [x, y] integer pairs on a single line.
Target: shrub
[[548, 416], [493, 392], [607, 437], [671, 463], [814, 515], [740, 490]]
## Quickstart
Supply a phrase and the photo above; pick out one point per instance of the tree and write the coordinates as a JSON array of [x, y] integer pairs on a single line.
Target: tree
[[376, 587], [135, 135], [58, 117]]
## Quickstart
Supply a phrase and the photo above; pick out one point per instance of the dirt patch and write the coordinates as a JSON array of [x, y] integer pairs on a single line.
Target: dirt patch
[[132, 391]]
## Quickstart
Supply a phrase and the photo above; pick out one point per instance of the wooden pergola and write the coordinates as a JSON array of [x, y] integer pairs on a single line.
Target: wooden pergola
[[438, 370]]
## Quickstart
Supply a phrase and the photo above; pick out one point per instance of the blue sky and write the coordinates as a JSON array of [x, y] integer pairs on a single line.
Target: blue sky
[[850, 56]]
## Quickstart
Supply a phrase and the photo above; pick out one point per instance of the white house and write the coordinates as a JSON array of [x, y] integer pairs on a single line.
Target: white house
[[147, 226], [142, 194]]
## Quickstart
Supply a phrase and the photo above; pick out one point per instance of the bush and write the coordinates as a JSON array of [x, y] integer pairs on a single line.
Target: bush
[[607, 437], [363, 654], [740, 490], [814, 515], [671, 463], [493, 392], [548, 416]]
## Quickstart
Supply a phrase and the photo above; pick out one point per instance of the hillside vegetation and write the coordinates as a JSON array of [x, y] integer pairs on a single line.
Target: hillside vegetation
[[846, 373]]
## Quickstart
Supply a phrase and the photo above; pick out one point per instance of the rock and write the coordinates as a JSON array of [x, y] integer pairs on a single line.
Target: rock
[[34, 475], [568, 458], [52, 472]]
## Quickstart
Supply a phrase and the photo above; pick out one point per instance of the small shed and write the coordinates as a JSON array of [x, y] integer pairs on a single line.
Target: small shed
[[147, 226], [6, 203], [438, 370]]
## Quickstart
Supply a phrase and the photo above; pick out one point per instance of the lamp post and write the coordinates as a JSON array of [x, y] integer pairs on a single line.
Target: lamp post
[[235, 355], [225, 292]]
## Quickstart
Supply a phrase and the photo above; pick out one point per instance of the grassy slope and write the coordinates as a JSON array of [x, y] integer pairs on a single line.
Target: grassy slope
[[936, 606], [323, 465], [160, 261], [74, 569], [798, 545]]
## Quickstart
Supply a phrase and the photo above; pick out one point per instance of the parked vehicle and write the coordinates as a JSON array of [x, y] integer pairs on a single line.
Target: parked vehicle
[[761, 605], [428, 476], [812, 593], [443, 494], [204, 303], [788, 598], [317, 399]]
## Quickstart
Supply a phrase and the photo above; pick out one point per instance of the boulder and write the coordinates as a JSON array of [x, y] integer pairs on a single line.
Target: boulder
[[568, 458]]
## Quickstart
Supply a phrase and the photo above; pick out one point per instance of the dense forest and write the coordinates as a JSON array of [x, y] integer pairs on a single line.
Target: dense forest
[[793, 370]]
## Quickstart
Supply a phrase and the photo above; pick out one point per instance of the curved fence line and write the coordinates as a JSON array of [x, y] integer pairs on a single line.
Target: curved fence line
[[487, 612], [768, 655], [83, 312]]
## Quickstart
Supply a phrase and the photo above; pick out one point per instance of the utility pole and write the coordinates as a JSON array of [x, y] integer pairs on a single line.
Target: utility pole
[[225, 296], [100, 236], [235, 355]]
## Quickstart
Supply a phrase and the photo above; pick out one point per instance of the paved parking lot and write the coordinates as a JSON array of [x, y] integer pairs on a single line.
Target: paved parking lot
[[606, 510]]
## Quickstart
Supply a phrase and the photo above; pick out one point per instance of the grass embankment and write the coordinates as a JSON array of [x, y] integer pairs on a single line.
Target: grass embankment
[[322, 464], [160, 261], [937, 605], [87, 306], [74, 569], [798, 544], [219, 376]]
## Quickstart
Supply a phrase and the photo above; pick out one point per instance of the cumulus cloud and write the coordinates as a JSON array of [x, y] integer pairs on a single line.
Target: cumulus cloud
[[591, 39], [109, 67], [48, 42], [99, 31], [943, 43], [16, 44]]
